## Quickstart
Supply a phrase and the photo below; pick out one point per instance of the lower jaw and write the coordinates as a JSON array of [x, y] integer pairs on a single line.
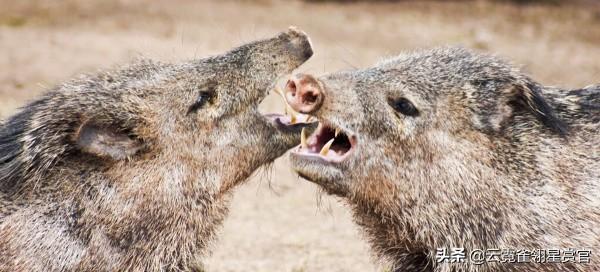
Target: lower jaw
[[313, 159], [335, 161], [316, 168], [328, 177], [281, 123]]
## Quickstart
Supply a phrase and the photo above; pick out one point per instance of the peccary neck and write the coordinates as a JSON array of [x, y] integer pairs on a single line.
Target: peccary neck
[[166, 216], [505, 192]]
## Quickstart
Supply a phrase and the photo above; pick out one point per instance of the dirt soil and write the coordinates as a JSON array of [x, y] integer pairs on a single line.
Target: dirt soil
[[279, 222]]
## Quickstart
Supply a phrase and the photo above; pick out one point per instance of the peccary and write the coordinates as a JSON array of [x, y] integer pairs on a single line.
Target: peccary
[[450, 152], [132, 170]]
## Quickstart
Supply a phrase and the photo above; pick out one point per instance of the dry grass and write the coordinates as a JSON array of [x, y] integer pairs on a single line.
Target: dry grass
[[280, 225]]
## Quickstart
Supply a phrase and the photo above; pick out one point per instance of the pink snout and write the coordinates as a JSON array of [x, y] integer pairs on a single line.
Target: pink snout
[[304, 94]]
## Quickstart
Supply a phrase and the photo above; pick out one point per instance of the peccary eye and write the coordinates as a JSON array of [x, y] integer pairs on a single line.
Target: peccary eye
[[404, 106], [203, 98]]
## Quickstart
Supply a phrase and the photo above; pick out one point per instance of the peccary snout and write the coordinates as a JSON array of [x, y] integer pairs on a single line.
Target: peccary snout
[[303, 93], [133, 169], [446, 147], [300, 44]]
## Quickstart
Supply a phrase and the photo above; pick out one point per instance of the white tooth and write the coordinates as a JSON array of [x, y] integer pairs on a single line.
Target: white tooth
[[292, 113], [303, 139], [337, 131], [288, 109], [293, 118], [299, 117], [308, 118], [279, 92], [326, 147]]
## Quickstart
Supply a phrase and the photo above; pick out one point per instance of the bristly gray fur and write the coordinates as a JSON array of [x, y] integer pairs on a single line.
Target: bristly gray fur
[[112, 172], [493, 160]]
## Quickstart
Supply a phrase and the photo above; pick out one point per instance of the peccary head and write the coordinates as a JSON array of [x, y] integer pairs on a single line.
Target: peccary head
[[140, 161], [433, 149], [410, 110]]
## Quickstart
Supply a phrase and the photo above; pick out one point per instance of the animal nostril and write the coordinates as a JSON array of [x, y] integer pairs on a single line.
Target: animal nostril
[[291, 86], [303, 93], [310, 97]]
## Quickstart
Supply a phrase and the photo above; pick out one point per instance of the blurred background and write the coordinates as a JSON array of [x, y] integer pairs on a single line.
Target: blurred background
[[279, 222]]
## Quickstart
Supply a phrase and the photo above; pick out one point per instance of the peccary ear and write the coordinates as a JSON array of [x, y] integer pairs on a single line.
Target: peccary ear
[[528, 95], [106, 142]]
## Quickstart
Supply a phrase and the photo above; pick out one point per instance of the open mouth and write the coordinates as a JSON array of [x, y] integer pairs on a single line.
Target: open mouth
[[291, 120], [327, 143], [287, 123]]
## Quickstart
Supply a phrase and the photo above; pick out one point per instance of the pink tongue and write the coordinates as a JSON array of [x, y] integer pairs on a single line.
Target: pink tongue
[[314, 149]]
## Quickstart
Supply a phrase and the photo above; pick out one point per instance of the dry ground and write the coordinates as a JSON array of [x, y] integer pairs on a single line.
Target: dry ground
[[285, 224]]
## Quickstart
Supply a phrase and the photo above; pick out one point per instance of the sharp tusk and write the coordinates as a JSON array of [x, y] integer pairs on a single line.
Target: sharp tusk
[[292, 118], [303, 139], [291, 112], [326, 147], [288, 108], [337, 131], [279, 92]]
